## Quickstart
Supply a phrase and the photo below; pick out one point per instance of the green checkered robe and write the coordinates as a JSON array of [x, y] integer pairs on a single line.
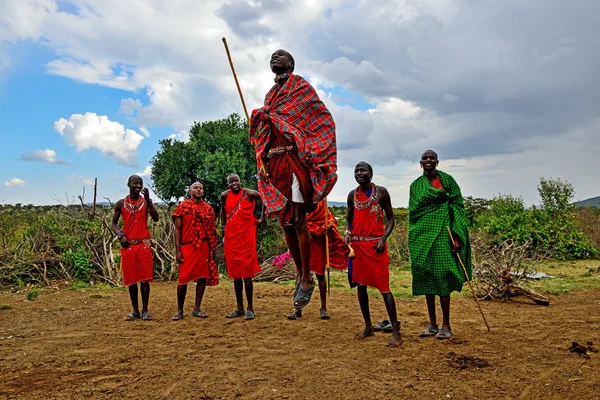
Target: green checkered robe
[[430, 211]]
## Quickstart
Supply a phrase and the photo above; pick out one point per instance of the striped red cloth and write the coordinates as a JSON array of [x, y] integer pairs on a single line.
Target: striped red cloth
[[296, 111], [203, 227]]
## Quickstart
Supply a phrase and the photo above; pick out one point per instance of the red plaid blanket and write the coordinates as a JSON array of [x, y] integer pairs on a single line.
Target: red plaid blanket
[[203, 226], [296, 111]]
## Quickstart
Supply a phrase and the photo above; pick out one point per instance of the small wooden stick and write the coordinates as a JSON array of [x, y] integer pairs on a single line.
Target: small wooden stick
[[469, 281], [327, 266], [262, 164]]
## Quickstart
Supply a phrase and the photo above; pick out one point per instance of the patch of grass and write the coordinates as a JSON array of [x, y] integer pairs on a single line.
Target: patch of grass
[[79, 285], [6, 306], [32, 294], [568, 276]]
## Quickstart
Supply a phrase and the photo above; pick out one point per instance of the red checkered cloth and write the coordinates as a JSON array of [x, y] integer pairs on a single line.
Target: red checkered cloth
[[204, 227], [296, 111]]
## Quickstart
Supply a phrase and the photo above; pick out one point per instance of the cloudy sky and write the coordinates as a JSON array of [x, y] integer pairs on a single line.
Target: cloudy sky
[[505, 91]]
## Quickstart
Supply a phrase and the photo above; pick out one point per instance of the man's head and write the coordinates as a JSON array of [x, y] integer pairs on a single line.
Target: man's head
[[135, 184], [234, 183], [196, 190], [429, 160], [363, 173], [282, 62]]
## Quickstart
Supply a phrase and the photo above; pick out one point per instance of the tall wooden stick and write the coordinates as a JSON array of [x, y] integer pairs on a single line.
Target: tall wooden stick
[[468, 280], [327, 266], [262, 164]]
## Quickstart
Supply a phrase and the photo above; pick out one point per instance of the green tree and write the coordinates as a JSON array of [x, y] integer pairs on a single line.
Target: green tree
[[215, 149], [556, 195]]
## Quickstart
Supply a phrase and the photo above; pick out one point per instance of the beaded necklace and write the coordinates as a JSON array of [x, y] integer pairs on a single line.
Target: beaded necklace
[[134, 206], [281, 77], [362, 205]]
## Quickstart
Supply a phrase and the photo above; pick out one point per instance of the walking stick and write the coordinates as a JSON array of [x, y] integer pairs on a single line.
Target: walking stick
[[327, 266], [262, 165], [468, 280]]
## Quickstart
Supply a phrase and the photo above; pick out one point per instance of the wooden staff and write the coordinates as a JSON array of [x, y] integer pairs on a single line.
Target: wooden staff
[[327, 266], [262, 164], [468, 280]]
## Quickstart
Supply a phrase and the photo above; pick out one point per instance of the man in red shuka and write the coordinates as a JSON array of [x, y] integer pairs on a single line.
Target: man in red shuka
[[239, 241], [136, 253], [195, 246], [368, 207], [296, 154], [338, 252]]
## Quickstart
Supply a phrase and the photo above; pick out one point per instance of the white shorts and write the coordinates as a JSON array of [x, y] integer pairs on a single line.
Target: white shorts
[[296, 193]]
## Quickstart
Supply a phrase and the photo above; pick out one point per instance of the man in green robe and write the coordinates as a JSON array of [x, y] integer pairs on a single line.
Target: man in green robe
[[435, 205]]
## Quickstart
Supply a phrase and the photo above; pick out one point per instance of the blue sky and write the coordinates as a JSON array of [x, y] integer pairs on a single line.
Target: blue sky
[[504, 96]]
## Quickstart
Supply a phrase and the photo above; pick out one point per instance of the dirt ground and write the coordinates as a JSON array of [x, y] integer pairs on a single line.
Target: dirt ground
[[75, 344]]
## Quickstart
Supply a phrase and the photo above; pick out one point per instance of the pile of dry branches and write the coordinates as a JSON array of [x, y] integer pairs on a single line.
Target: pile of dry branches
[[502, 269], [270, 273]]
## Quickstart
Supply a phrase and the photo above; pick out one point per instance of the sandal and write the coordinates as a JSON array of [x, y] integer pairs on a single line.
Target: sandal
[[133, 316], [199, 314], [385, 326], [177, 316], [303, 296], [249, 315], [146, 316], [429, 331], [324, 314], [444, 334], [235, 314], [295, 315]]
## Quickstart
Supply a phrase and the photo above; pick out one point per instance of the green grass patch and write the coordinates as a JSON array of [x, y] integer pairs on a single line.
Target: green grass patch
[[6, 306], [79, 285], [568, 276], [32, 294]]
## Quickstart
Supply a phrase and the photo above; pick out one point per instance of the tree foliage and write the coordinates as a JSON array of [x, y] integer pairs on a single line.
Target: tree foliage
[[215, 149]]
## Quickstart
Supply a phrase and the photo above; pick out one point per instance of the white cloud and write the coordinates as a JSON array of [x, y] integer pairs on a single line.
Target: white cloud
[[97, 131], [147, 171], [48, 156], [145, 131], [130, 106], [15, 182]]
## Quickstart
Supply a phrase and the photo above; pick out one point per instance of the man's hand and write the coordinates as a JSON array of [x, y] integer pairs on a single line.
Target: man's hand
[[380, 247], [347, 238], [264, 172], [146, 193], [179, 257], [455, 243], [259, 221], [124, 242]]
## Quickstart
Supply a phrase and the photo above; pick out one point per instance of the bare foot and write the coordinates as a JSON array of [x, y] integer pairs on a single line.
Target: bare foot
[[395, 340], [362, 335]]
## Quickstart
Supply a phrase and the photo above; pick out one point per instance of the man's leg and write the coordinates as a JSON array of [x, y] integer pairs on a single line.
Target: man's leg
[[238, 285], [322, 291], [133, 295], [303, 240], [145, 289], [249, 293], [200, 286], [430, 298], [363, 300], [390, 306], [445, 302], [181, 292]]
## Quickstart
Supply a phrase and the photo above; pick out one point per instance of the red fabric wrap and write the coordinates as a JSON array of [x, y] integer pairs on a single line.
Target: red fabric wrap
[[135, 225], [199, 228], [240, 237], [369, 268], [338, 251], [136, 260], [281, 167], [136, 263], [436, 183], [296, 111]]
